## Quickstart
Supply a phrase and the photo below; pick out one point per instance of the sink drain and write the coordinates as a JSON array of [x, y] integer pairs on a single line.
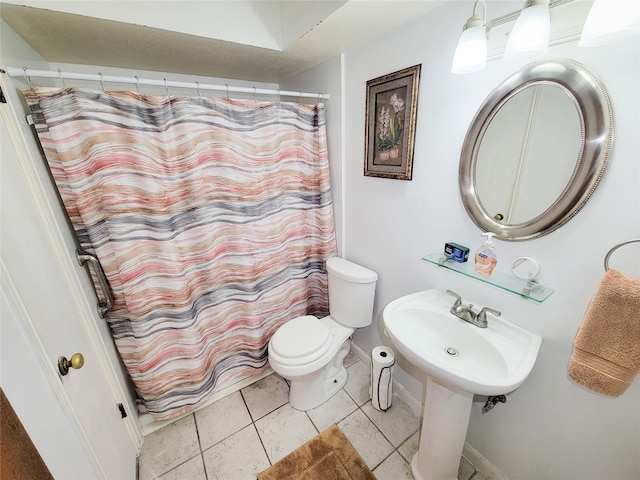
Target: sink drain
[[452, 351]]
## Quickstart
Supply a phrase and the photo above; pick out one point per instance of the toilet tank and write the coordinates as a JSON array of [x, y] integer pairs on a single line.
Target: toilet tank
[[351, 292]]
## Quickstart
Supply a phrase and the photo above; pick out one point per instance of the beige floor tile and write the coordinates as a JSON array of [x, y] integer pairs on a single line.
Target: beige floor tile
[[366, 438], [238, 457], [410, 447], [266, 395], [393, 468], [397, 424], [221, 419], [358, 383], [234, 448], [283, 431], [168, 447], [192, 469], [350, 360], [332, 411]]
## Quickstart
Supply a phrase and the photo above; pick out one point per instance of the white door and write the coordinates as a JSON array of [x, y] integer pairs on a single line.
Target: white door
[[27, 387], [38, 267]]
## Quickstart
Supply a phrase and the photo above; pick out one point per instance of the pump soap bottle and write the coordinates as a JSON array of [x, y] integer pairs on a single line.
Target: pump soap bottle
[[486, 257]]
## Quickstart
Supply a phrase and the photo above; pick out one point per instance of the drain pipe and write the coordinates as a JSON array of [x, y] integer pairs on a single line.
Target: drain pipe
[[493, 401]]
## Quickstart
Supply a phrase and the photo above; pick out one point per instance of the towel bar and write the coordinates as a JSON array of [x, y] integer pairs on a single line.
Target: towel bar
[[103, 307], [613, 249]]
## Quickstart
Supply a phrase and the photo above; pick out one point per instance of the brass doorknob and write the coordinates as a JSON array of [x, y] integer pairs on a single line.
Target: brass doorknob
[[77, 361]]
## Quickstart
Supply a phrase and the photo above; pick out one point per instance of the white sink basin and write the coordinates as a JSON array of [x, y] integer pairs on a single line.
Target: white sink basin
[[460, 360], [484, 361]]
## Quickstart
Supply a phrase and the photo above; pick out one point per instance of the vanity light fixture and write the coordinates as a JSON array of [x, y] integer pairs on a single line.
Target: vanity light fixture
[[471, 52], [609, 21], [531, 31]]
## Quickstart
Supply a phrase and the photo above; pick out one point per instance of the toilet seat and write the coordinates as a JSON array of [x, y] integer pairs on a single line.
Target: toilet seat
[[301, 340]]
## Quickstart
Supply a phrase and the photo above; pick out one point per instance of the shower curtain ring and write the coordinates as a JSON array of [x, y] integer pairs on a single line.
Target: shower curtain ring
[[198, 89], [61, 78], [254, 94], [137, 85], [278, 96], [167, 90], [227, 85], [101, 81], [24, 69]]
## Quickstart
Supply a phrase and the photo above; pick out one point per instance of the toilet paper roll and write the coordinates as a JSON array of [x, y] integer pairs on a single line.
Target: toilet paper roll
[[381, 391]]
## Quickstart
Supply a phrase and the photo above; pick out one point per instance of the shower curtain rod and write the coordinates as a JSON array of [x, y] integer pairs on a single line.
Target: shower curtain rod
[[29, 73]]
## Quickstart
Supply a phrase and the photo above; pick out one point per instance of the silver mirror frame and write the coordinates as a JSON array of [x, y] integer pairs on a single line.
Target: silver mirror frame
[[594, 108]]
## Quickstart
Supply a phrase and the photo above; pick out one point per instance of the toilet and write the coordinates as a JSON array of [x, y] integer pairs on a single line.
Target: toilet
[[309, 352]]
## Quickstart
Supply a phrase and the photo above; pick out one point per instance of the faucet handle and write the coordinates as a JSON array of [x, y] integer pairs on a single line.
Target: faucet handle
[[482, 315], [458, 298]]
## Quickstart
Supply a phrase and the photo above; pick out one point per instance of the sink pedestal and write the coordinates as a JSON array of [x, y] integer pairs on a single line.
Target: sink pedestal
[[458, 359], [444, 428]]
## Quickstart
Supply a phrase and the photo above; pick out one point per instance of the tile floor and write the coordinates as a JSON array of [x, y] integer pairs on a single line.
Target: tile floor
[[247, 431]]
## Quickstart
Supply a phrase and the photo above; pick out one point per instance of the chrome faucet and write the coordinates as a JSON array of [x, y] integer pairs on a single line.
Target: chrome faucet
[[466, 312]]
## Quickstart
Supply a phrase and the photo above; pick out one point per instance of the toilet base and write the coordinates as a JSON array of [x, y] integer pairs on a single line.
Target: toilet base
[[311, 391]]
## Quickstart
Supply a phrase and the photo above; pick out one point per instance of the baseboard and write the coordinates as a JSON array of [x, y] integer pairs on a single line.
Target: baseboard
[[482, 465], [358, 352]]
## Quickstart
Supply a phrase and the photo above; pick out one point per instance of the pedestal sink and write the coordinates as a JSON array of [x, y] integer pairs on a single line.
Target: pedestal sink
[[461, 360]]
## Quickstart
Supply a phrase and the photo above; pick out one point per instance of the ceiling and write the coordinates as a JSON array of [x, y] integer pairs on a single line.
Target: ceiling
[[274, 40]]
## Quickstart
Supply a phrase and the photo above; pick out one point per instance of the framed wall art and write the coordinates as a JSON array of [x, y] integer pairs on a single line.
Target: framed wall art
[[392, 102]]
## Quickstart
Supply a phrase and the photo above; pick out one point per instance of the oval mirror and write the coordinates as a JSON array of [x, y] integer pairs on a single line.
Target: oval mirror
[[536, 149]]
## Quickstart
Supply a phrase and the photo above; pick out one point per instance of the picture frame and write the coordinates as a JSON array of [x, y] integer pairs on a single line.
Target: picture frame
[[391, 109]]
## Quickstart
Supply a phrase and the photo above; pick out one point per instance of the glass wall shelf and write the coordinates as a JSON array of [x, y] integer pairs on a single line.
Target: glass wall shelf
[[529, 289]]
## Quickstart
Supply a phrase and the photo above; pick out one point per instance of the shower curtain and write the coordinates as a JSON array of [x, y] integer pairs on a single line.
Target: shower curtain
[[212, 219]]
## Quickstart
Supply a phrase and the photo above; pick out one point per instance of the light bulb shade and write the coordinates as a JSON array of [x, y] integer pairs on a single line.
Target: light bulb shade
[[531, 32], [609, 21], [471, 52]]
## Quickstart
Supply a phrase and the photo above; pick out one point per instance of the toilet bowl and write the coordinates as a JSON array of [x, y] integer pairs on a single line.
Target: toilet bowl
[[309, 352]]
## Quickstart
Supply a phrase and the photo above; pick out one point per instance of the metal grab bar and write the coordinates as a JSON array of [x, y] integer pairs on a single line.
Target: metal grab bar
[[103, 307]]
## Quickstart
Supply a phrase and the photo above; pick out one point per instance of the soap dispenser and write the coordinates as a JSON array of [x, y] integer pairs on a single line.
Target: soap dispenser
[[486, 257]]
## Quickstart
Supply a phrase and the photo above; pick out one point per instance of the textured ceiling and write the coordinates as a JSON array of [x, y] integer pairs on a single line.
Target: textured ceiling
[[71, 38]]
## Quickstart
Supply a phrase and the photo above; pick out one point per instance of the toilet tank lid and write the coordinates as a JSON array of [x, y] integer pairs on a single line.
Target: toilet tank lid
[[350, 271]]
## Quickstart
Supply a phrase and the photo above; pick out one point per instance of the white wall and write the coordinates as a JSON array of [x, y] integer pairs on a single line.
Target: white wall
[[298, 18], [261, 20], [267, 24], [550, 428]]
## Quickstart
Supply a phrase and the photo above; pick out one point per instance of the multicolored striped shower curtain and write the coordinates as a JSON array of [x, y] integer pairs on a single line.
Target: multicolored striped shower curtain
[[212, 219]]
